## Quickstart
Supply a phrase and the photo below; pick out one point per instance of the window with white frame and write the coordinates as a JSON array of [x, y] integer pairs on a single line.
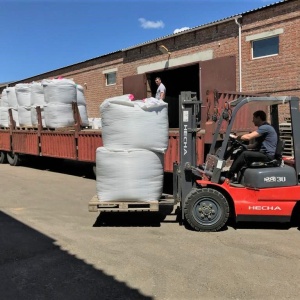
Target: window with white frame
[[265, 47], [265, 43], [111, 78]]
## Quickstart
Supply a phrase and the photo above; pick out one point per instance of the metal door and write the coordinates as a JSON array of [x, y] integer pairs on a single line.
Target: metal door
[[218, 74], [136, 85]]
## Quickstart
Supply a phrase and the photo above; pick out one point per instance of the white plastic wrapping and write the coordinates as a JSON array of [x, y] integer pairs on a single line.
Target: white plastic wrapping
[[80, 95], [83, 115], [4, 117], [59, 91], [12, 97], [58, 115], [24, 116], [130, 124], [126, 97], [130, 175], [23, 94]]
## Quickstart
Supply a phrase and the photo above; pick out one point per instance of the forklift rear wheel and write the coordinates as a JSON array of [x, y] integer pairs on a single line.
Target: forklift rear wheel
[[206, 209], [3, 158], [13, 159]]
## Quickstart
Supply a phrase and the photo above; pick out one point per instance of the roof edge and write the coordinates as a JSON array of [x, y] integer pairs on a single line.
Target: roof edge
[[185, 31]]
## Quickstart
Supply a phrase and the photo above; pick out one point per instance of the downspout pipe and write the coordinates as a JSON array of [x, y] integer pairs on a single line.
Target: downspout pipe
[[240, 51]]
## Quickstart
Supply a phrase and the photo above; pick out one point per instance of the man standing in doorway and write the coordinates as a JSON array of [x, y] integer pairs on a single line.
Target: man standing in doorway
[[161, 90]]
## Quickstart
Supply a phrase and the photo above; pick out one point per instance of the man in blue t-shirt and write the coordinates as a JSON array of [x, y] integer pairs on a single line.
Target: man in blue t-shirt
[[262, 150]]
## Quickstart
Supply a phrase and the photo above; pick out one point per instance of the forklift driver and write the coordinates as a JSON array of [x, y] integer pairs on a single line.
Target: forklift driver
[[262, 150]]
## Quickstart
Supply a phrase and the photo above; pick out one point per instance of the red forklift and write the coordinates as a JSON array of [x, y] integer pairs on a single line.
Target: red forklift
[[265, 192]]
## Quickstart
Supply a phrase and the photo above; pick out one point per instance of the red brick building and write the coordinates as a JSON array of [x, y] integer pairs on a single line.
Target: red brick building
[[257, 51]]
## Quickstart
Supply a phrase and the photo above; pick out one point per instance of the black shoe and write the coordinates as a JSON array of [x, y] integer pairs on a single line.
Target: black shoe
[[234, 180], [230, 175]]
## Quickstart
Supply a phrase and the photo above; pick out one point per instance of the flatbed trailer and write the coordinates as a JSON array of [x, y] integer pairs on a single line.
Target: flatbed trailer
[[79, 144]]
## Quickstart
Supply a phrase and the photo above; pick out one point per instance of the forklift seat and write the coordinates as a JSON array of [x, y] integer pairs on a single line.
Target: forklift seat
[[276, 162]]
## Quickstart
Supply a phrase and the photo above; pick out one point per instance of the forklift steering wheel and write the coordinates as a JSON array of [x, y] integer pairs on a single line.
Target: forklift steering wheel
[[237, 142]]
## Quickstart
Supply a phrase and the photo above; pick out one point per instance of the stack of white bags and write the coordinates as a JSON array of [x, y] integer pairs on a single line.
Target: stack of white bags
[[59, 96], [22, 92], [37, 98], [4, 117], [53, 96], [130, 166]]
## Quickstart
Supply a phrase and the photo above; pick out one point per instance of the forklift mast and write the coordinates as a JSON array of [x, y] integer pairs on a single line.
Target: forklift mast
[[295, 117], [189, 120]]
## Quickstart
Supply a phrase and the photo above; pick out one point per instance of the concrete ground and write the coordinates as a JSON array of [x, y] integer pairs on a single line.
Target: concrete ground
[[51, 247]]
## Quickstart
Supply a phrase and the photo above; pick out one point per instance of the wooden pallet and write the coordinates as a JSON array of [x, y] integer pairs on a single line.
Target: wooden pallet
[[95, 205], [67, 128], [26, 128]]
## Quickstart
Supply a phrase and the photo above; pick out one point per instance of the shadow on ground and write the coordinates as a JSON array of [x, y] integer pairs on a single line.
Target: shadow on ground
[[33, 267], [63, 166], [263, 225]]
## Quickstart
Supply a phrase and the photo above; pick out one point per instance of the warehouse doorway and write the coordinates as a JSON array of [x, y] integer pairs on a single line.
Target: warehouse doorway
[[215, 74], [176, 80]]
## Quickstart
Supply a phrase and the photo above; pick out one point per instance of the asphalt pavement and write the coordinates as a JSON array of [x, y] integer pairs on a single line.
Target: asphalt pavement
[[51, 247]]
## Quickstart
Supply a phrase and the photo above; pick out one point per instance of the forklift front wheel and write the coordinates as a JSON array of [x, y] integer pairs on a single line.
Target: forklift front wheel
[[206, 209]]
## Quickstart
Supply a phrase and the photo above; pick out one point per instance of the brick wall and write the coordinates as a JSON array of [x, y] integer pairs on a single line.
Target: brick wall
[[276, 74]]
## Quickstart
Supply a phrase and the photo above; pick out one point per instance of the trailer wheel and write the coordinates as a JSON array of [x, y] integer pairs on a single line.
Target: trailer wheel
[[206, 209], [13, 159], [3, 158]]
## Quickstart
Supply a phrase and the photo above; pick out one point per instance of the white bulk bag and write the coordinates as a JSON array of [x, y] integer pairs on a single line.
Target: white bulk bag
[[58, 115], [23, 94], [37, 97], [4, 99], [12, 97], [80, 95], [59, 91], [132, 175], [34, 117], [24, 116], [4, 117], [135, 124], [83, 115], [121, 98], [15, 115]]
